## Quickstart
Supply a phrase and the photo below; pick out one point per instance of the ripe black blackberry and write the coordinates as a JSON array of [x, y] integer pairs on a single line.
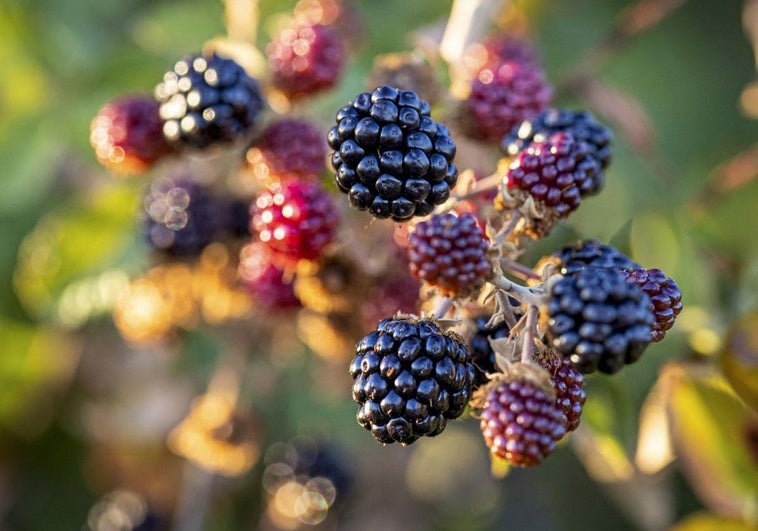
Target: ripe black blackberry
[[599, 320], [592, 253], [520, 419], [581, 124], [390, 157], [410, 378], [664, 294], [206, 100], [450, 253], [180, 217], [482, 355], [568, 384]]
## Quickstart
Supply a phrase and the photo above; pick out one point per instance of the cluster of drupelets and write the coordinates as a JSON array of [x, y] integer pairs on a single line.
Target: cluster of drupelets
[[471, 338]]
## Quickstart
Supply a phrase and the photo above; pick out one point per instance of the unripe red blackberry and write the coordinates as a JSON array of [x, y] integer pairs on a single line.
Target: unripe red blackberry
[[290, 148], [207, 100], [127, 134], [520, 420], [409, 379], [580, 124], [491, 51], [568, 383], [295, 220], [664, 294], [263, 280], [305, 59], [592, 253], [598, 320], [450, 253], [503, 95], [180, 217], [390, 157]]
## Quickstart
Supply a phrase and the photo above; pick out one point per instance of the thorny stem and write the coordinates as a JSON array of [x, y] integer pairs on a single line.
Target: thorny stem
[[518, 269], [527, 346], [529, 296]]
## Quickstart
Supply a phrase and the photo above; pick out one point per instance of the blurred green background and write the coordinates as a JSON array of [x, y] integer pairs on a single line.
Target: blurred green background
[[82, 413]]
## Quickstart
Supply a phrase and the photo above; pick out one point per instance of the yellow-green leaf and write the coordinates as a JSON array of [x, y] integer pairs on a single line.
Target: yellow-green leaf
[[711, 522], [739, 359]]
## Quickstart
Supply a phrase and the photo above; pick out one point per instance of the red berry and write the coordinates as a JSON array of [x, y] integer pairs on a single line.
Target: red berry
[[305, 59], [450, 252], [664, 294], [295, 220], [568, 383], [127, 134], [264, 280], [288, 148], [503, 95], [520, 422]]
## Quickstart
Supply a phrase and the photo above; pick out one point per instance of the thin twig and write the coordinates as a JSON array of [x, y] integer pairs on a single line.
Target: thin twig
[[527, 346], [528, 296], [519, 269], [502, 236]]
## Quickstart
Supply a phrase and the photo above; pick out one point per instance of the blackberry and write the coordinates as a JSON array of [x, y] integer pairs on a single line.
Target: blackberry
[[664, 294], [180, 217], [482, 354], [520, 420], [491, 51], [450, 253], [568, 383], [206, 100], [409, 379], [263, 280], [295, 220], [581, 124], [127, 134], [598, 320], [501, 96], [290, 148], [305, 59], [591, 253], [390, 157]]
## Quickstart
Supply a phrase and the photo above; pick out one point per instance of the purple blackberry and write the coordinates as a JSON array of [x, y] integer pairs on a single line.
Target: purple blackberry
[[664, 294], [520, 421], [502, 95], [450, 253], [599, 320], [127, 134], [568, 383], [180, 217], [409, 379], [582, 126], [390, 157], [263, 280], [207, 100], [305, 59], [592, 253]]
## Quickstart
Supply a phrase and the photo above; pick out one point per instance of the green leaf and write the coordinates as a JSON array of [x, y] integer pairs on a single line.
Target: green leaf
[[708, 427], [739, 359]]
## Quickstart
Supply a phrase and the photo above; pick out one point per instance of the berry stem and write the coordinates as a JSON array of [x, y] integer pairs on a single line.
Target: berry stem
[[518, 269], [527, 347], [530, 296], [443, 307], [491, 182], [502, 235]]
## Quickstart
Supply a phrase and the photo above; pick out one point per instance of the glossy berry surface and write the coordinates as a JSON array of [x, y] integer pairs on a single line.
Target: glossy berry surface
[[289, 148], [390, 157], [305, 59], [664, 294], [409, 379], [568, 383], [521, 423], [580, 124], [206, 100], [263, 280], [598, 320], [450, 253], [295, 220], [503, 95], [180, 217], [553, 172], [127, 134], [592, 253]]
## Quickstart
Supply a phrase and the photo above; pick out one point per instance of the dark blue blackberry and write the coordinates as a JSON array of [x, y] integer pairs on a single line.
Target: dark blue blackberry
[[592, 253], [598, 320], [409, 379], [180, 217], [390, 157], [482, 355], [582, 126], [207, 100]]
